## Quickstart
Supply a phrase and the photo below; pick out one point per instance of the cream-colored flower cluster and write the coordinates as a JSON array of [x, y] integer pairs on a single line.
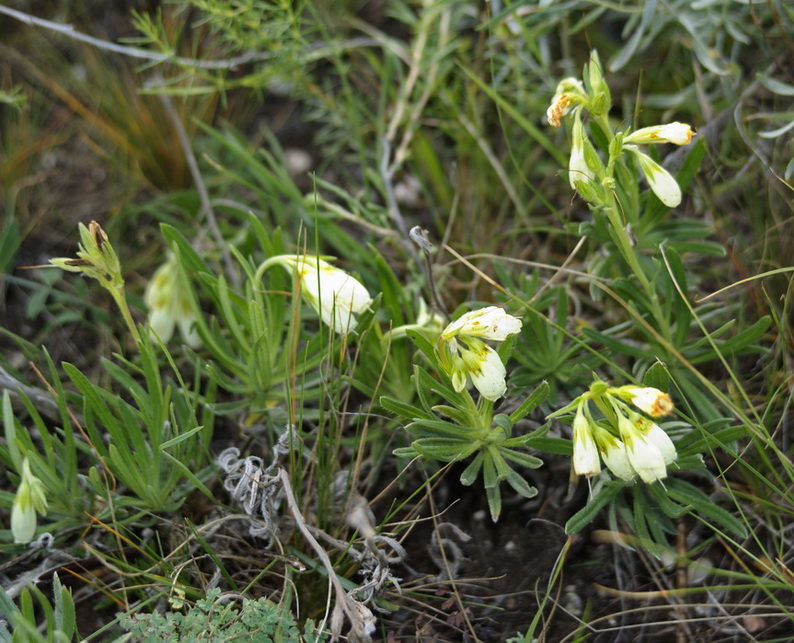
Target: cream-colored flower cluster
[[631, 445], [464, 356]]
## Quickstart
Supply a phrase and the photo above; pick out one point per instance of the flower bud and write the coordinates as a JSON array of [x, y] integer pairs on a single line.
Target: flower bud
[[29, 500]]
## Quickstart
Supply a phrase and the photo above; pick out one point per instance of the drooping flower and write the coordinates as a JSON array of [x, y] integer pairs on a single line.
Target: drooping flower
[[463, 354], [663, 184], [614, 453], [585, 451], [676, 133], [490, 322], [648, 399], [30, 499], [334, 294], [657, 436], [570, 91], [643, 454], [170, 306]]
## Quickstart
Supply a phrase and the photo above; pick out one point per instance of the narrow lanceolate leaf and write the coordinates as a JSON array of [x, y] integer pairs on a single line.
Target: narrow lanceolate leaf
[[688, 494], [537, 398], [588, 513], [403, 409], [444, 449]]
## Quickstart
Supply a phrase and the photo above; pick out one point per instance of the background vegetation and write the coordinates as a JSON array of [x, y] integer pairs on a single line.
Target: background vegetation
[[257, 474]]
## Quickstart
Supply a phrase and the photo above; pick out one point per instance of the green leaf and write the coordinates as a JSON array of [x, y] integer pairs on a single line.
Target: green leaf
[[403, 409], [524, 459], [187, 255], [423, 344], [588, 513], [470, 473], [537, 398], [440, 428], [180, 438], [657, 376], [494, 497], [461, 417], [405, 452], [558, 446], [688, 494], [65, 619], [190, 476], [520, 485], [693, 443], [613, 344], [669, 508], [444, 449]]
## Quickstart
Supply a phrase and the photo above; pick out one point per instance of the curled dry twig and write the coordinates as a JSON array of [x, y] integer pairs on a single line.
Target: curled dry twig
[[255, 487]]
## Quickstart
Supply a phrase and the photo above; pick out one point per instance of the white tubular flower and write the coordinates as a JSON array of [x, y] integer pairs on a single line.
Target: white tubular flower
[[490, 322], [29, 500], [614, 453], [578, 170], [676, 133], [569, 91], [334, 294], [486, 370], [658, 437], [585, 451], [645, 457], [660, 180], [648, 399], [169, 305], [476, 360]]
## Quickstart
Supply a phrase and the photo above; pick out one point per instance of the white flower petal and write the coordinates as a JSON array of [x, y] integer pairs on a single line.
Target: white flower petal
[[333, 293], [585, 452], [649, 400], [188, 330], [676, 133], [617, 460], [23, 522], [663, 184], [614, 453], [162, 322], [646, 459], [490, 322], [487, 372], [658, 437], [578, 170]]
